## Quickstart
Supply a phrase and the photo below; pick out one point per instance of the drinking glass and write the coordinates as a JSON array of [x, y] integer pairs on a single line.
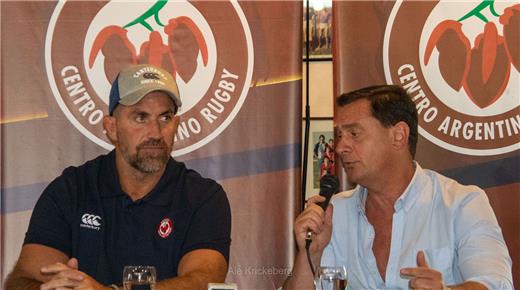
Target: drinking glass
[[139, 278], [331, 278]]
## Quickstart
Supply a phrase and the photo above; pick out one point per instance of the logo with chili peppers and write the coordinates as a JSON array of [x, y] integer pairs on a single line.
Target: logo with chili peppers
[[88, 43], [165, 228], [460, 63]]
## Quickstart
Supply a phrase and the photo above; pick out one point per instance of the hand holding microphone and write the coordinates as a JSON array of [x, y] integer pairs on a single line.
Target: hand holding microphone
[[313, 223], [329, 185]]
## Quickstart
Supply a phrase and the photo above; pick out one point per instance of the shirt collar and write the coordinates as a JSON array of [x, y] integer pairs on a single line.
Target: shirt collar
[[406, 200], [361, 194], [412, 191], [108, 178], [164, 191]]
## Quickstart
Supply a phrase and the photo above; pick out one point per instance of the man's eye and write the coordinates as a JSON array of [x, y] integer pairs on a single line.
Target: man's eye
[[166, 118], [140, 118]]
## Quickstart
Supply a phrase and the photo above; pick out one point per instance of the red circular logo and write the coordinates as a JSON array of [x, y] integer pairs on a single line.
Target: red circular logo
[[458, 61], [165, 228], [211, 63]]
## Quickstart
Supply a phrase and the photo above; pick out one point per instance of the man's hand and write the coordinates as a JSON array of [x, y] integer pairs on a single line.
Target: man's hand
[[318, 222], [423, 277], [68, 276]]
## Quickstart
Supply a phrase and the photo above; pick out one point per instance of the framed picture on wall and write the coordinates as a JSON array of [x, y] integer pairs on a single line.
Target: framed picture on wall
[[321, 156], [320, 29]]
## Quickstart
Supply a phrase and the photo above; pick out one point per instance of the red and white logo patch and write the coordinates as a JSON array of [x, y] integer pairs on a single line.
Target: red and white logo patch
[[165, 228]]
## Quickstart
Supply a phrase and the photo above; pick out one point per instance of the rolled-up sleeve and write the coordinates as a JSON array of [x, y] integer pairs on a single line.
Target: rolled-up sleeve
[[481, 249]]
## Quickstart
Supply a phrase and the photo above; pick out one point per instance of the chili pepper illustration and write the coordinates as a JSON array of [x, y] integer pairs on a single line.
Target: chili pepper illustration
[[119, 52], [151, 50], [168, 62], [154, 52], [488, 58], [489, 50], [511, 31], [454, 52], [185, 41]]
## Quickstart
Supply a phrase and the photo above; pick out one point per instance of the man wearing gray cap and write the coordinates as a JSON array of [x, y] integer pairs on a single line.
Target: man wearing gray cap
[[133, 206]]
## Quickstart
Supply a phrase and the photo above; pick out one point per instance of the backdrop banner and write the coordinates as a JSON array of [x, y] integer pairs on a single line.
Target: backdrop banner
[[459, 62], [238, 68]]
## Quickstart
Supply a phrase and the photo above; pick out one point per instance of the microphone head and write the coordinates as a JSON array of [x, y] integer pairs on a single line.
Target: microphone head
[[329, 185]]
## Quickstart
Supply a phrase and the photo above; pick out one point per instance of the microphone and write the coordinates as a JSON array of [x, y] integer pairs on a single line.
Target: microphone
[[329, 185]]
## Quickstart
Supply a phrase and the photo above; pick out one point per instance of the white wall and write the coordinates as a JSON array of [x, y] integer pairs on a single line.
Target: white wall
[[321, 96], [321, 105]]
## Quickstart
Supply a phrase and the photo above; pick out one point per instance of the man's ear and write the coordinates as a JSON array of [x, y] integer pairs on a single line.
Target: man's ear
[[109, 124], [400, 134]]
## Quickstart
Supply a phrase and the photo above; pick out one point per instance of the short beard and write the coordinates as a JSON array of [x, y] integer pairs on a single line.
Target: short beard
[[148, 163]]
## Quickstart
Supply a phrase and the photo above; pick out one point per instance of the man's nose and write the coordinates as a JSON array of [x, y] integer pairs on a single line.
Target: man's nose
[[344, 145], [154, 130]]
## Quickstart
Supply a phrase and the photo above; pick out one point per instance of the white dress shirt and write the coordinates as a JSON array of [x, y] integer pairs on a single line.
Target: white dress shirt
[[452, 223]]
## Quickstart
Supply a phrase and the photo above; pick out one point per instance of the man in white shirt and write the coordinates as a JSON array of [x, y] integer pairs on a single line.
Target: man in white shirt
[[402, 226]]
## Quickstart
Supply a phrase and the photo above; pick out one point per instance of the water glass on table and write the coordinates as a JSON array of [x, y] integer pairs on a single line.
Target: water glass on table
[[331, 278], [139, 277]]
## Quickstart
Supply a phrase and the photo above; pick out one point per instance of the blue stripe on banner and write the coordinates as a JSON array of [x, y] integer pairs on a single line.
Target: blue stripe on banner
[[248, 162], [488, 174], [22, 198]]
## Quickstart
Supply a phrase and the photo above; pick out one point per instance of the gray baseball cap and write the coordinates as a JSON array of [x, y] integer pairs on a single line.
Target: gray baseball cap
[[135, 82]]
